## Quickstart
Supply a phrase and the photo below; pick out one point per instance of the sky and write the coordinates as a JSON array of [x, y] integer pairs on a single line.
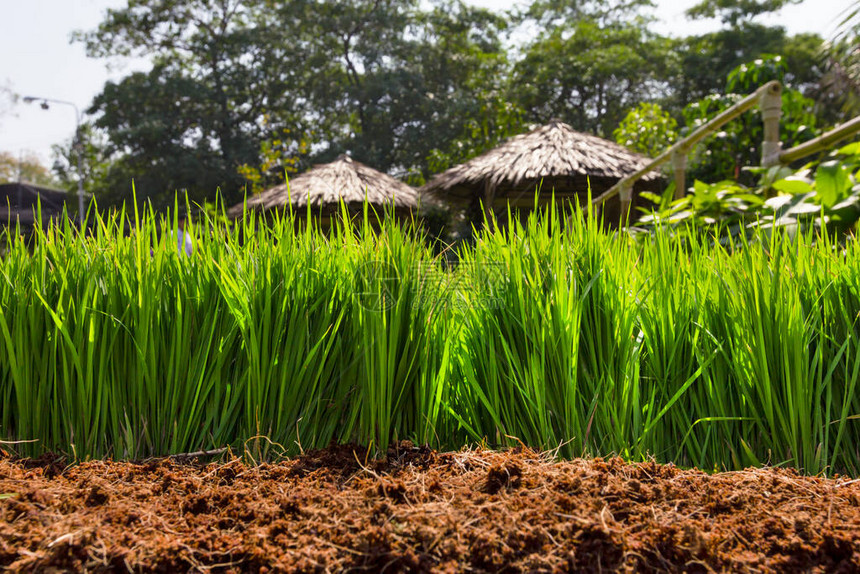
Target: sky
[[39, 60]]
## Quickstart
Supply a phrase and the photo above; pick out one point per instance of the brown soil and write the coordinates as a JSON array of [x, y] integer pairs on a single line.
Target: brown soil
[[420, 510]]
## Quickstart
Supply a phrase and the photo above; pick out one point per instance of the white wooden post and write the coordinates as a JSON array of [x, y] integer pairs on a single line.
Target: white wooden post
[[626, 196], [771, 110], [679, 164]]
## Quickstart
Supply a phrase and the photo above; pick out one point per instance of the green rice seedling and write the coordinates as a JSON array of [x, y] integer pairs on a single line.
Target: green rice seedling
[[826, 285], [397, 324], [518, 357], [837, 272], [769, 335], [287, 296], [673, 355], [764, 398], [610, 337], [552, 332]]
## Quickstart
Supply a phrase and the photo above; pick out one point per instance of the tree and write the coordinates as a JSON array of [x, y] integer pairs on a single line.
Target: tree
[[279, 158], [706, 60], [839, 90], [736, 12], [590, 74], [26, 168], [167, 136], [551, 14], [495, 122], [647, 129], [104, 173], [399, 81], [450, 78], [725, 154], [190, 122], [242, 88]]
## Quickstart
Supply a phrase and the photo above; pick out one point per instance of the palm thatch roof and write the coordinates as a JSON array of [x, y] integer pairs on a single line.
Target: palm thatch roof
[[551, 151], [324, 186]]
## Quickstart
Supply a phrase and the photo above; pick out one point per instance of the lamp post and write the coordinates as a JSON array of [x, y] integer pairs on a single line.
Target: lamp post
[[45, 105]]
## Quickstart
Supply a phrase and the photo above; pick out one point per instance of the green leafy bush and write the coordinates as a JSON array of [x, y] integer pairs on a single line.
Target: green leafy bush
[[647, 129], [819, 193]]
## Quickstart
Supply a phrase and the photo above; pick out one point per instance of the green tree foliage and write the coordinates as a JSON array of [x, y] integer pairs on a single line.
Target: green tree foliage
[[104, 173], [403, 80], [647, 129], [839, 91], [190, 122], [27, 168], [279, 158], [726, 153], [590, 74], [387, 80], [705, 61], [168, 135], [497, 120], [554, 13], [735, 12], [242, 91], [349, 49]]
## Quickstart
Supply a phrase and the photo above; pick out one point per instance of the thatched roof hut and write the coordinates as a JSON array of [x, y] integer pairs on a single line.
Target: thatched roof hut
[[555, 157], [324, 186]]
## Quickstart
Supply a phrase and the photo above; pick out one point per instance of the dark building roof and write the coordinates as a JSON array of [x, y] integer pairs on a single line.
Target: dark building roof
[[20, 201]]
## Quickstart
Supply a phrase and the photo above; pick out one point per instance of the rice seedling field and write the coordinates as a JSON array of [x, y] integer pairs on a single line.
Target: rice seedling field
[[553, 337]]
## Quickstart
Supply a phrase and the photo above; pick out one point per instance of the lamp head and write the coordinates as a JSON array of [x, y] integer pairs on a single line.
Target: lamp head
[[30, 99]]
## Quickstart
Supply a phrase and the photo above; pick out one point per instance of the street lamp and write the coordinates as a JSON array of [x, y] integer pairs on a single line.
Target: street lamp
[[45, 105]]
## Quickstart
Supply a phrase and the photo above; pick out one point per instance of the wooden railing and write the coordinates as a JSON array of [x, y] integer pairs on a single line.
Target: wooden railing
[[823, 141], [769, 99]]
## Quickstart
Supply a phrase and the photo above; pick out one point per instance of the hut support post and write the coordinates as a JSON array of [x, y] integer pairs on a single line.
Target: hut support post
[[489, 196], [771, 110], [626, 196], [679, 165]]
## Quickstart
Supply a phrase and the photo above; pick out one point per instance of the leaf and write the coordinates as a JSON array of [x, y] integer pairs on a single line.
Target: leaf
[[770, 174], [777, 202], [850, 149], [680, 216], [701, 187], [831, 182], [803, 208], [849, 202], [783, 205], [793, 184], [847, 211], [652, 197], [756, 200]]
